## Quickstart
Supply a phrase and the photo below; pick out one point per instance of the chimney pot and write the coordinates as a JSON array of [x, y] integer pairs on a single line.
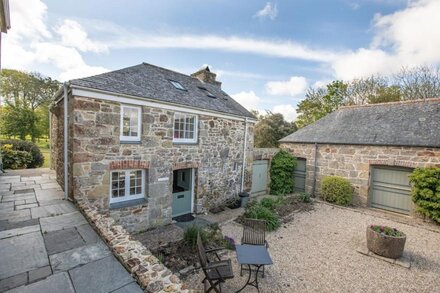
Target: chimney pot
[[205, 75]]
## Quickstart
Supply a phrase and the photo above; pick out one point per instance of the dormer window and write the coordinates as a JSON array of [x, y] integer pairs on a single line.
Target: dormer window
[[178, 85]]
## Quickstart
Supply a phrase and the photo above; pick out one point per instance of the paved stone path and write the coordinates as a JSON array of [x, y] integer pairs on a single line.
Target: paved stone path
[[46, 245]]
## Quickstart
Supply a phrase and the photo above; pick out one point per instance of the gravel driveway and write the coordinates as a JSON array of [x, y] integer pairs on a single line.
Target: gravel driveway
[[316, 252]]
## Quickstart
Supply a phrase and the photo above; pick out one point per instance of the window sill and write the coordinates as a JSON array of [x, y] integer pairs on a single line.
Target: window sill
[[128, 203], [186, 142], [129, 142]]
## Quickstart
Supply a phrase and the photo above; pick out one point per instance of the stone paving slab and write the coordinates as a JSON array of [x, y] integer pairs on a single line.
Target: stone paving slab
[[51, 210], [9, 179], [54, 284], [14, 281], [39, 274], [7, 206], [6, 225], [21, 254], [130, 288], [49, 194], [26, 206], [62, 240], [62, 222], [19, 231], [50, 186], [16, 216], [70, 259], [88, 234], [104, 275]]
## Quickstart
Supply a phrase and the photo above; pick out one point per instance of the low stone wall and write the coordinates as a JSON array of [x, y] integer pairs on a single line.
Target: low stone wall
[[137, 259], [265, 153]]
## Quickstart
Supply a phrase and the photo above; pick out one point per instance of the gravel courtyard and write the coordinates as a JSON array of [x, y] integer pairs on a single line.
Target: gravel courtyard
[[316, 252]]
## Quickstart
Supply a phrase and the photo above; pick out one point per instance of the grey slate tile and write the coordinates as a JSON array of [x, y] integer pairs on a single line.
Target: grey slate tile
[[62, 240], [62, 222], [51, 210], [13, 282], [21, 254], [101, 276], [53, 284], [88, 234], [130, 288], [19, 231], [39, 274]]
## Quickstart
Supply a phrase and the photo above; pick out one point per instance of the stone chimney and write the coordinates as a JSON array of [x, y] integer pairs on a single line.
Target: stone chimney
[[205, 75]]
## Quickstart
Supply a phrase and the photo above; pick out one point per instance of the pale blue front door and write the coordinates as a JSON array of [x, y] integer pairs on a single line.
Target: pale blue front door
[[182, 192]]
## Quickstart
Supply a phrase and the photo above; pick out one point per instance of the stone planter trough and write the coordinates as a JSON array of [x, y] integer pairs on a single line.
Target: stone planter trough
[[384, 245]]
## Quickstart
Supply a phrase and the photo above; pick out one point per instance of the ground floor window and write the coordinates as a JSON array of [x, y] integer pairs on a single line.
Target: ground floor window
[[127, 185]]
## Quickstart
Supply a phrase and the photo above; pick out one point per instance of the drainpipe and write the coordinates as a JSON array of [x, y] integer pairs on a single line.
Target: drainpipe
[[50, 139], [314, 170], [66, 135], [244, 153]]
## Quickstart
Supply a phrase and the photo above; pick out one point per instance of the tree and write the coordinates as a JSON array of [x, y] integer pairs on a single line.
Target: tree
[[27, 97], [419, 82], [320, 102], [372, 90], [270, 128]]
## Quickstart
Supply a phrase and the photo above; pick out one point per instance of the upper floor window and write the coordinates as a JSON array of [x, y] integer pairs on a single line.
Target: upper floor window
[[127, 185], [185, 128], [130, 123]]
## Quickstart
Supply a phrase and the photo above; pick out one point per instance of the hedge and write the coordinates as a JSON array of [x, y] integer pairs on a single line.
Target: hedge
[[426, 191], [13, 159], [26, 146], [281, 173]]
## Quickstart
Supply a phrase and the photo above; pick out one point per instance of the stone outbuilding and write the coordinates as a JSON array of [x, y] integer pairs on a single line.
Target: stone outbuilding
[[374, 146], [147, 144]]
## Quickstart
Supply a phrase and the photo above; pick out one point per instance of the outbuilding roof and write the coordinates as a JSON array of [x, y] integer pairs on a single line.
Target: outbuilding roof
[[153, 82], [410, 123]]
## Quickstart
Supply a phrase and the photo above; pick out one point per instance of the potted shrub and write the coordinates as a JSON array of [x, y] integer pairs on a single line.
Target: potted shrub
[[385, 241]]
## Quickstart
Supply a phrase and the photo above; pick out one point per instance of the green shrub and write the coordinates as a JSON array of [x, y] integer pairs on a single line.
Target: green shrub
[[190, 235], [426, 191], [305, 197], [13, 159], [27, 146], [258, 211], [271, 203], [281, 173], [337, 190]]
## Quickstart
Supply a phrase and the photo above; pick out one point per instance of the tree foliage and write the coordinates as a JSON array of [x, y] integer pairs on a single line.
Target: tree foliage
[[426, 191], [409, 84], [270, 128], [26, 103]]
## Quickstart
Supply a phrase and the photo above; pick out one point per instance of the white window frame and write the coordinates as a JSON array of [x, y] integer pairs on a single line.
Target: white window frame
[[127, 195], [131, 138], [196, 127]]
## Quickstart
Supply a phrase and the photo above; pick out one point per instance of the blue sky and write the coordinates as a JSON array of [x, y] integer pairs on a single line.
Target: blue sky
[[266, 53]]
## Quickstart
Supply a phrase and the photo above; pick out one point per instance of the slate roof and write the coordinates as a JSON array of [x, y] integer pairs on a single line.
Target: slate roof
[[412, 123], [153, 82]]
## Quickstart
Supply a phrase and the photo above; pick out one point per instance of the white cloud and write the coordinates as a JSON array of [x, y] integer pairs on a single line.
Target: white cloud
[[288, 111], [270, 11], [73, 35], [408, 37], [296, 85], [249, 100], [31, 44]]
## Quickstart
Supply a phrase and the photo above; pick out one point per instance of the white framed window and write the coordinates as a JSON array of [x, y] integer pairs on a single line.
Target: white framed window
[[185, 128], [130, 123], [127, 185]]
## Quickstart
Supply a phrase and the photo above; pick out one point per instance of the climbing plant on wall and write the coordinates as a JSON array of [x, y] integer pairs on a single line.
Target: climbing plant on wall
[[281, 173], [426, 191]]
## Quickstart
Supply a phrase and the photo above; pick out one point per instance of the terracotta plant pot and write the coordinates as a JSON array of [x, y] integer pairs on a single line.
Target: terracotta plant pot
[[384, 245]]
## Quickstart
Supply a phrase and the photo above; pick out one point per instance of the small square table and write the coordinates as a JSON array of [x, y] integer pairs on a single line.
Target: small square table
[[252, 255]]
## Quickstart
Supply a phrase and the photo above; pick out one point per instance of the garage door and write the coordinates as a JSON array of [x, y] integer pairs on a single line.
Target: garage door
[[299, 175], [390, 189], [259, 177]]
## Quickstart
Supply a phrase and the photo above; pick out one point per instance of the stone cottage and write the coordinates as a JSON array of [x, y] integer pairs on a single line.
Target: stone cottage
[[374, 146], [147, 144]]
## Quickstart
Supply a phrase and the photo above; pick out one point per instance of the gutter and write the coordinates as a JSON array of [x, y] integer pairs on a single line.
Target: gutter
[[244, 153], [66, 136]]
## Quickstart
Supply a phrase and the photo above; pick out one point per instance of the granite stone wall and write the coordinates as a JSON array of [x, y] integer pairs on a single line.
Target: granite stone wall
[[354, 162], [96, 150]]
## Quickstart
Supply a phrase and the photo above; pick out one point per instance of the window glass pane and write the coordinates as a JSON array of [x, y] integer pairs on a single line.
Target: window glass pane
[[114, 193], [130, 119], [138, 190]]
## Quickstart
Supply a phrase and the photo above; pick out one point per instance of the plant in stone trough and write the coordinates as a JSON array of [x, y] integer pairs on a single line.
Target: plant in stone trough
[[386, 230]]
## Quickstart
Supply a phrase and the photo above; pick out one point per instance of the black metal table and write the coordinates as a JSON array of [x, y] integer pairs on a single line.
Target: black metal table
[[252, 255]]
